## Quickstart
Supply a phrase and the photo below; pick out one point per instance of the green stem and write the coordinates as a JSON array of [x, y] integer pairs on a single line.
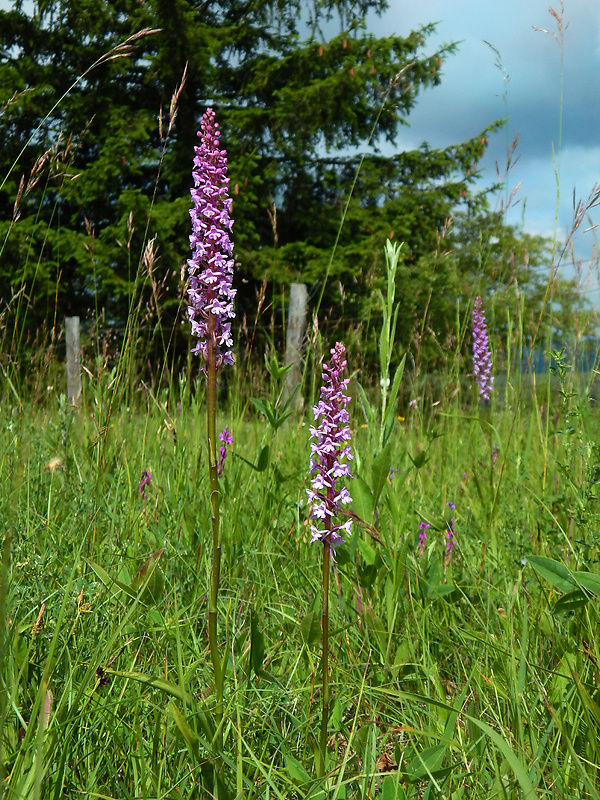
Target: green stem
[[325, 659], [211, 368]]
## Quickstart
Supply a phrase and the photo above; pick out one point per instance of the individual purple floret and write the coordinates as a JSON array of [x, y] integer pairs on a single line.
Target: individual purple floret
[[145, 480], [423, 527], [330, 452], [211, 266], [225, 438], [482, 363], [450, 540]]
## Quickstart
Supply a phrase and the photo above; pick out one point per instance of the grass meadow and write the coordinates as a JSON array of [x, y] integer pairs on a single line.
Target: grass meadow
[[476, 677]]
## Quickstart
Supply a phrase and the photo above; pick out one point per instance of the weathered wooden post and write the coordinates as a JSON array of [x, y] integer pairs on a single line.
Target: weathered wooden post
[[296, 328], [73, 359]]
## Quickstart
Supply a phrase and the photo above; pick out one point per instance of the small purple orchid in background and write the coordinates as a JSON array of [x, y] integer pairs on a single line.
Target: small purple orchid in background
[[330, 452], [450, 540], [225, 438], [423, 527], [482, 362], [145, 480]]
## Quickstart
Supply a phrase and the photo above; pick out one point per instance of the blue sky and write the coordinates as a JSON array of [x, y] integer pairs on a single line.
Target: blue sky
[[474, 91]]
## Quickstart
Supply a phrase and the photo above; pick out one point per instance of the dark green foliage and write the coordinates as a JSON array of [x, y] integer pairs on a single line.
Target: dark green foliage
[[82, 87]]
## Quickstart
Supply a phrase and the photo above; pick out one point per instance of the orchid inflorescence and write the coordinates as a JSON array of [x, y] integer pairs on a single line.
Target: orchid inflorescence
[[210, 268], [225, 438], [482, 362], [450, 535], [330, 452]]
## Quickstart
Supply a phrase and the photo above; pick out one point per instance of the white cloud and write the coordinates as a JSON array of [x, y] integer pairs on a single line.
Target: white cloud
[[529, 89]]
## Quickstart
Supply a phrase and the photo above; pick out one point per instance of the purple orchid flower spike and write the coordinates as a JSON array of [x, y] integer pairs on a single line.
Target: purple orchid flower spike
[[330, 453], [145, 480], [482, 362], [450, 536], [225, 438], [423, 528], [210, 268]]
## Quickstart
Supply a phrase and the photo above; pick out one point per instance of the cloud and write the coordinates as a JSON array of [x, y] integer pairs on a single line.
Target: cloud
[[537, 80]]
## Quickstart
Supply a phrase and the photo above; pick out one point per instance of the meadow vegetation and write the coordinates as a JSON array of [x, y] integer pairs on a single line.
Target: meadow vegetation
[[463, 652], [475, 677]]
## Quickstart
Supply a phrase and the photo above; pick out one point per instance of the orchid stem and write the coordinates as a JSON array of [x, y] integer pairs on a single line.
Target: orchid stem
[[211, 374], [325, 659]]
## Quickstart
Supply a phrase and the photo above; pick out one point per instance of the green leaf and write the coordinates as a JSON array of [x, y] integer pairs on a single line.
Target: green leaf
[[426, 763], [257, 652], [377, 627], [150, 578], [111, 583], [369, 410], [162, 684], [257, 645], [264, 409], [420, 459], [589, 581], [296, 771], [441, 590], [187, 733], [362, 499], [591, 704], [570, 602], [263, 458], [392, 790], [367, 552], [553, 571], [390, 416], [380, 471], [517, 766], [275, 414], [310, 629]]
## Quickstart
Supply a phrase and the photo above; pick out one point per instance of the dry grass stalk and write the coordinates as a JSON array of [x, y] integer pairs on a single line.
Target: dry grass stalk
[[175, 101]]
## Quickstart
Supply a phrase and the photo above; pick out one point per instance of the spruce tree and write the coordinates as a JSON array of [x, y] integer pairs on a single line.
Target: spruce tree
[[106, 167]]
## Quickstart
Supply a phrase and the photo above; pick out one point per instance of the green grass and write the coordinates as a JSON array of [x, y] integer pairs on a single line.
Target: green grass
[[464, 682]]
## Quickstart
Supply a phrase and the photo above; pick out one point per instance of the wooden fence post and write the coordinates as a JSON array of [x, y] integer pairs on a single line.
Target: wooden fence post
[[296, 328], [73, 360]]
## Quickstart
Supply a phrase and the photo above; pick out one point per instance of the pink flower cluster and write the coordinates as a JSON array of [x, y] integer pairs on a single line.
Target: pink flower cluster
[[211, 266], [482, 362], [225, 438], [330, 452]]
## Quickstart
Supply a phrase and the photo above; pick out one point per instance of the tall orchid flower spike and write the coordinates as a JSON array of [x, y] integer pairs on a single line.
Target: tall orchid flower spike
[[482, 362], [211, 296], [330, 453], [210, 268]]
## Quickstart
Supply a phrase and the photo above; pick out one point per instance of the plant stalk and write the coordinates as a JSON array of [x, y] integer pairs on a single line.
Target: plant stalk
[[325, 657], [211, 413]]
